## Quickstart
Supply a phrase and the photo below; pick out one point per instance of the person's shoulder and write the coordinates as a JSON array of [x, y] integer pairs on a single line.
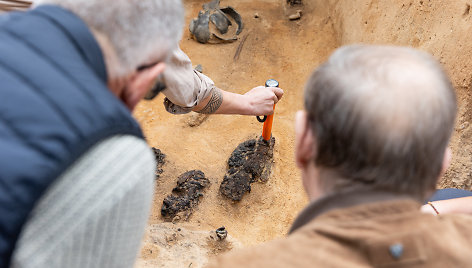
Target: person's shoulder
[[123, 141], [119, 150], [291, 251], [257, 256], [120, 142], [456, 229], [463, 221]]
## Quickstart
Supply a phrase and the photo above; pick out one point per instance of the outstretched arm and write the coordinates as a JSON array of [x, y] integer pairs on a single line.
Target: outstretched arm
[[461, 205], [257, 101], [189, 90]]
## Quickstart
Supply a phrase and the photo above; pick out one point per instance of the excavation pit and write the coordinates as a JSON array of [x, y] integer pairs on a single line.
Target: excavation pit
[[288, 51]]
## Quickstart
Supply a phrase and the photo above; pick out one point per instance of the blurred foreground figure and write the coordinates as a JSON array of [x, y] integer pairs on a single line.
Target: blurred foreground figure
[[371, 145], [76, 175]]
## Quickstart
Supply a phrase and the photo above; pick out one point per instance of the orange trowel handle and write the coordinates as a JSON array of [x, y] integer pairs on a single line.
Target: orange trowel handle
[[267, 128]]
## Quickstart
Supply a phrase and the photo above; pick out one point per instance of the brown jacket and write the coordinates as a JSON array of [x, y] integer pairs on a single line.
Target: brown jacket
[[364, 230]]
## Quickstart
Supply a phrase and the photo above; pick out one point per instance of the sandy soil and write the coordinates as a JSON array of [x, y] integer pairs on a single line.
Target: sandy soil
[[287, 51]]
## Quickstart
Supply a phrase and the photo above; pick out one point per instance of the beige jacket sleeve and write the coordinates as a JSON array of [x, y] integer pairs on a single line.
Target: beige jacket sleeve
[[185, 87]]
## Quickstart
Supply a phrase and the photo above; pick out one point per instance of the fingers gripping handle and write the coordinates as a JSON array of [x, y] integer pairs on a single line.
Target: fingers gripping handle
[[268, 119], [268, 83]]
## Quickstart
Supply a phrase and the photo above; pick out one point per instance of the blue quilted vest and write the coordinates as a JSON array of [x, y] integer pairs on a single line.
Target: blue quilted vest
[[54, 105]]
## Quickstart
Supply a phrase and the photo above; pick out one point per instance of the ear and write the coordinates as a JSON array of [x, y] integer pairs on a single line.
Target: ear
[[446, 161], [304, 140], [140, 83]]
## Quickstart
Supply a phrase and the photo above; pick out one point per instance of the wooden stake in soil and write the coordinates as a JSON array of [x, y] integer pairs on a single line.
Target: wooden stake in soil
[[240, 47]]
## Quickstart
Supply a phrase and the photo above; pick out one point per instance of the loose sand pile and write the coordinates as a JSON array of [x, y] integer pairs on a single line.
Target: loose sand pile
[[287, 51]]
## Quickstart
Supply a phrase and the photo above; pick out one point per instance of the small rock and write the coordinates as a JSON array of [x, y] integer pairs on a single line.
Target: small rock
[[294, 2], [196, 119], [175, 219], [464, 126], [256, 15], [199, 68], [160, 161], [296, 16], [221, 233]]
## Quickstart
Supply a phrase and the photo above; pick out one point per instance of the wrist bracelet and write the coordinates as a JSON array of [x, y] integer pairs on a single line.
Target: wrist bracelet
[[435, 210]]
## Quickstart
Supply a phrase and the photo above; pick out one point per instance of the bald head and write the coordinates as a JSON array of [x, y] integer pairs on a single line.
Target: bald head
[[382, 118]]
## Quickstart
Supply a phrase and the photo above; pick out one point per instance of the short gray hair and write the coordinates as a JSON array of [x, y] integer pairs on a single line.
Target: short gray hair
[[137, 29], [382, 117]]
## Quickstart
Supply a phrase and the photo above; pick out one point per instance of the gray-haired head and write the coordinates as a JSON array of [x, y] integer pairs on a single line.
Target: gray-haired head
[[382, 118], [137, 29]]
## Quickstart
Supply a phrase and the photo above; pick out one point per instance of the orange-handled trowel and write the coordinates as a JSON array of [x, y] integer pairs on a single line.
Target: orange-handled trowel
[[251, 161]]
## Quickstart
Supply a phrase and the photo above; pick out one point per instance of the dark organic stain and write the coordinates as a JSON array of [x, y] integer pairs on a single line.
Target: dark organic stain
[[466, 11], [251, 161], [185, 196], [160, 161], [294, 2]]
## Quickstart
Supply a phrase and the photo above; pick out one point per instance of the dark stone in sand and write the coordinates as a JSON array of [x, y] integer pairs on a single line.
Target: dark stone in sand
[[160, 161], [251, 161], [185, 196], [220, 18], [294, 2]]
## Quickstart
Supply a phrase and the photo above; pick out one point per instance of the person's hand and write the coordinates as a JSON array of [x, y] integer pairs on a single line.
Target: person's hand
[[261, 100]]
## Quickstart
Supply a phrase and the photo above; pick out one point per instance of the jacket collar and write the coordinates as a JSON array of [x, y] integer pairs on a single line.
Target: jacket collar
[[79, 35], [342, 200]]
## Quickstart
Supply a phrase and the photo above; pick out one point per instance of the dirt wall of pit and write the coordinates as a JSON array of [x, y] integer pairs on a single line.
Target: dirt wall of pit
[[439, 27], [442, 28]]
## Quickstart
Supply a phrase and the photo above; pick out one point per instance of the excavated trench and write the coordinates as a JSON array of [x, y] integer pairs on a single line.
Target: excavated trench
[[287, 50]]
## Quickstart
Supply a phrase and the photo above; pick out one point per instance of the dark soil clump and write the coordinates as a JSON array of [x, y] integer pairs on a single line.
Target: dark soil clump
[[160, 161], [185, 196], [294, 2], [251, 161]]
